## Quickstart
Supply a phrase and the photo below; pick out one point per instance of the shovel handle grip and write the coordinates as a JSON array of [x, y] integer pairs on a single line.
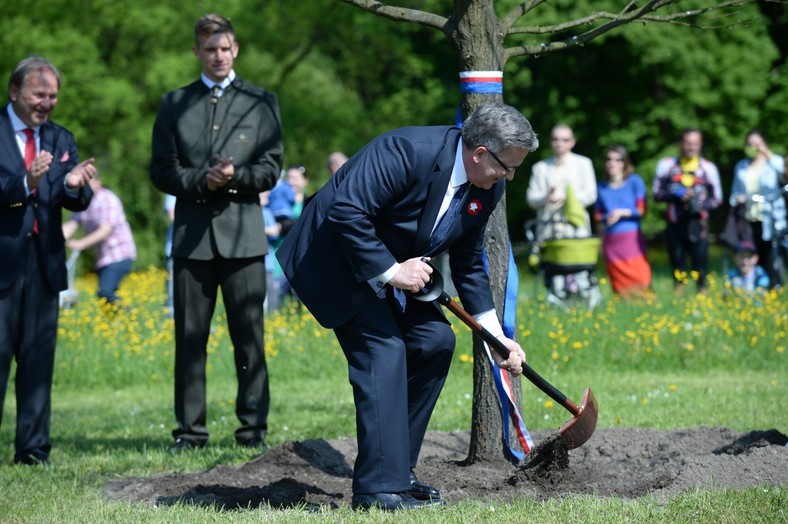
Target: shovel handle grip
[[502, 350]]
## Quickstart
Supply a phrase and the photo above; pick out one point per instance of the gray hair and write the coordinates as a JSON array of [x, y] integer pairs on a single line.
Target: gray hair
[[498, 127], [28, 65]]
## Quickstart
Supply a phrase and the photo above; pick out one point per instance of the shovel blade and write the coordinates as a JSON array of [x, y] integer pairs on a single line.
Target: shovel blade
[[579, 429]]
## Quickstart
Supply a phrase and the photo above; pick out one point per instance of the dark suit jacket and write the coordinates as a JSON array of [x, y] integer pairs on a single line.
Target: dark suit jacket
[[378, 209], [18, 212], [189, 134]]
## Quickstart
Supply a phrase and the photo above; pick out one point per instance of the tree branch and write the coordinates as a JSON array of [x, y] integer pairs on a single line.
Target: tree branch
[[401, 14], [519, 11], [625, 17]]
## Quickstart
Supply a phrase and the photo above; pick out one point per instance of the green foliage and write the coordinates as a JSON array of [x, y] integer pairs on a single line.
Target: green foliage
[[641, 84], [344, 75]]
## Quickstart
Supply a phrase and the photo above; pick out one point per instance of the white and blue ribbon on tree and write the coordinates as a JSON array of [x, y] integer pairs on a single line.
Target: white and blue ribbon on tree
[[503, 385], [481, 82], [491, 82]]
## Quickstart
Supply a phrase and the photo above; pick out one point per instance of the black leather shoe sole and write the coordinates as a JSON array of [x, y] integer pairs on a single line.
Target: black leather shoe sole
[[255, 443], [184, 444], [32, 460], [392, 501]]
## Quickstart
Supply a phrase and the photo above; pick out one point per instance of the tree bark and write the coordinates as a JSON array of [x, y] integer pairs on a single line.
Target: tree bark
[[477, 34]]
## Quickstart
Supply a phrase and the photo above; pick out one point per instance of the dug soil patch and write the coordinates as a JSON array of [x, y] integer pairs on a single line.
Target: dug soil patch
[[621, 462]]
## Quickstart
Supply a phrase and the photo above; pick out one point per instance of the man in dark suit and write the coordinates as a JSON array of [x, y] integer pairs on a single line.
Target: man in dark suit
[[39, 176], [360, 242], [217, 144]]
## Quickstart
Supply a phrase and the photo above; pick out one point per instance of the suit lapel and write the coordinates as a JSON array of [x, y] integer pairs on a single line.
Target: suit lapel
[[436, 189], [8, 142], [46, 137]]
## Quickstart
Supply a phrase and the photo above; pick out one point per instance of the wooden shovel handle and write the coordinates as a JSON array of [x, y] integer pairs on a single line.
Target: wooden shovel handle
[[502, 350]]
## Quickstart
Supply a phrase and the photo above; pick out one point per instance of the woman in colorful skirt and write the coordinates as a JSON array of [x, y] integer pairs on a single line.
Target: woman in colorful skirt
[[620, 205]]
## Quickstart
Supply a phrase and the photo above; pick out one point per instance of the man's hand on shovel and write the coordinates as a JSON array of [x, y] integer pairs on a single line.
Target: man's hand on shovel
[[412, 275], [514, 363], [577, 430]]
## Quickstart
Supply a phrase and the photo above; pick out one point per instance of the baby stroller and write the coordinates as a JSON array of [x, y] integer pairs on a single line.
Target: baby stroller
[[567, 266]]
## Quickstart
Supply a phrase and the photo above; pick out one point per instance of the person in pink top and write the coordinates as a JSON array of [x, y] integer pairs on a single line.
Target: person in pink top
[[106, 229]]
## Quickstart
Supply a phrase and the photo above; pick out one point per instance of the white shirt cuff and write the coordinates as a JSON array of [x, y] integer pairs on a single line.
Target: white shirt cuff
[[489, 321], [380, 281]]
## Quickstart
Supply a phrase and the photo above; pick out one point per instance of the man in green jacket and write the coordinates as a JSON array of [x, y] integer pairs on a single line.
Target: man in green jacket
[[217, 143]]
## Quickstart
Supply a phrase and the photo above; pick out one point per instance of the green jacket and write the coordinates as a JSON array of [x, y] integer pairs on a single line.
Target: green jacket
[[190, 133]]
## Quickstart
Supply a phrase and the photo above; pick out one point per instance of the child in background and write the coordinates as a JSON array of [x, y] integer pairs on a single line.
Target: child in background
[[747, 275]]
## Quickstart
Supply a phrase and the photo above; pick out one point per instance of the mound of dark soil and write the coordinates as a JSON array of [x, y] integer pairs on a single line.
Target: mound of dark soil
[[622, 462]]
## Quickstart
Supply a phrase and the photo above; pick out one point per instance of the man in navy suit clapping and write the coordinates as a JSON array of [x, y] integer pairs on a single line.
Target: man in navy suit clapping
[[39, 176]]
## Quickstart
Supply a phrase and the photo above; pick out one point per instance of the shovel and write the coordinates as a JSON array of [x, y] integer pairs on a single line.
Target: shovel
[[574, 432]]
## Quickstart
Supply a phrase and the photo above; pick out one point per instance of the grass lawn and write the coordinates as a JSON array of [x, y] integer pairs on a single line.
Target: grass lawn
[[665, 363]]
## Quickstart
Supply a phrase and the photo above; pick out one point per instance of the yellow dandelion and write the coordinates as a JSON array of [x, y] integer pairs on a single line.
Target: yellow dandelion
[[673, 387], [549, 404]]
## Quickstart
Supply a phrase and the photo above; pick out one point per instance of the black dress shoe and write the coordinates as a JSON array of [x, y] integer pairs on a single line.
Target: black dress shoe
[[31, 459], [185, 444], [392, 501], [420, 491], [254, 442]]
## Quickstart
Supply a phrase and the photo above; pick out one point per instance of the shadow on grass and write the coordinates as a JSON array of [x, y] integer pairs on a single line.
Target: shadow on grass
[[286, 493]]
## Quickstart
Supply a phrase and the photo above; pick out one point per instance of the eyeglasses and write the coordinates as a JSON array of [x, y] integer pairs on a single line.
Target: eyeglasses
[[560, 139], [613, 159], [506, 169]]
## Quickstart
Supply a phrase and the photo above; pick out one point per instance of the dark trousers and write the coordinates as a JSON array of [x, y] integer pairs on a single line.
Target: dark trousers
[[196, 283], [109, 278], [28, 332], [681, 247], [765, 254], [397, 365]]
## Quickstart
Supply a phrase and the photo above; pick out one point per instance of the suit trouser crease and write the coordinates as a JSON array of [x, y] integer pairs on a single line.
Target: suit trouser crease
[[397, 365], [196, 283], [28, 333]]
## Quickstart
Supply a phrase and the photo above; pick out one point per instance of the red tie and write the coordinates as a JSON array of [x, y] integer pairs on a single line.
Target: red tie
[[30, 155], [30, 147]]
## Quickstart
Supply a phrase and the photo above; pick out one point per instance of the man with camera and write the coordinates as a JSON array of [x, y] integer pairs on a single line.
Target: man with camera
[[690, 184]]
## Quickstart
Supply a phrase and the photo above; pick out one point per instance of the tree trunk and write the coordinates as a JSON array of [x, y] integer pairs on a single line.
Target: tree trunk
[[482, 50]]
